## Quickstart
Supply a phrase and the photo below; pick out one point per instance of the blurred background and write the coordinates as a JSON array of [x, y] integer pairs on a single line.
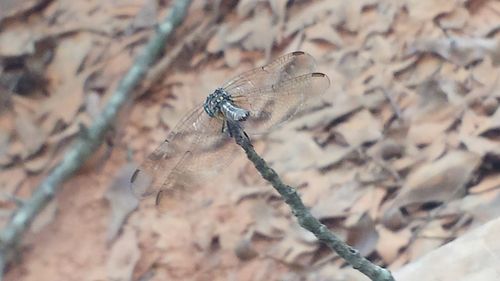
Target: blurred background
[[398, 157]]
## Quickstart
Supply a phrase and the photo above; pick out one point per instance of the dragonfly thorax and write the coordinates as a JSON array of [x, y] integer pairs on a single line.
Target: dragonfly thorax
[[220, 103]]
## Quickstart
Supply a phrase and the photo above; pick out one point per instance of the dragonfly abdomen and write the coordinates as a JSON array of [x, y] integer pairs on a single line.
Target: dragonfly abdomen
[[233, 112]]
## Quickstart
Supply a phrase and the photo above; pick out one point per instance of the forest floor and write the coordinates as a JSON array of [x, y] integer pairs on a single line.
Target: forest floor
[[399, 156]]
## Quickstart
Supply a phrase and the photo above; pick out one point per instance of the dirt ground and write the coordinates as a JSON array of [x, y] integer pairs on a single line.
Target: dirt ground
[[399, 156]]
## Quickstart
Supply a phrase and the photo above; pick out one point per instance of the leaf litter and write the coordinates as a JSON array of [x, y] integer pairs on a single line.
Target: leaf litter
[[399, 156]]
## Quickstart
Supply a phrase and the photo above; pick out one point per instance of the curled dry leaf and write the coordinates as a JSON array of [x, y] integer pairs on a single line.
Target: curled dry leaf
[[336, 202], [363, 236], [439, 181], [123, 257], [121, 200], [268, 221], [298, 152], [488, 183], [232, 56], [244, 250], [390, 243], [45, 217], [310, 14], [11, 8], [471, 257], [147, 15], [245, 7], [11, 179], [41, 162], [324, 32], [440, 105], [361, 128], [342, 106], [454, 20], [29, 133], [4, 144], [294, 247], [425, 10], [459, 50]]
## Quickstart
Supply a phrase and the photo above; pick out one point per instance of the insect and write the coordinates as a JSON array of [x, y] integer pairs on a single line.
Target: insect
[[260, 99]]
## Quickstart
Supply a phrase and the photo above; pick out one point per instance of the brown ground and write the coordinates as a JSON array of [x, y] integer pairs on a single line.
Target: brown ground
[[398, 157]]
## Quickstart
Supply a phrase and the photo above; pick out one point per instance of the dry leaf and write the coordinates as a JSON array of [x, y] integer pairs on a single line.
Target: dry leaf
[[360, 128], [458, 50], [439, 181], [336, 202], [123, 257], [45, 217], [391, 243], [488, 183], [454, 20], [30, 134], [297, 152], [268, 222], [41, 162], [363, 235], [121, 199], [312, 13], [245, 7], [426, 10], [11, 179], [297, 243], [147, 15], [324, 32], [473, 256]]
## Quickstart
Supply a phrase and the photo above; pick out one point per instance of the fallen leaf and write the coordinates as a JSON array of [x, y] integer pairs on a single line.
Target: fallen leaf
[[245, 7], [456, 19], [478, 248], [324, 32], [391, 243], [336, 201], [45, 217], [121, 199], [426, 10], [298, 152], [363, 235], [310, 14], [29, 133], [42, 161], [488, 183], [147, 15], [11, 179], [123, 257], [268, 222], [439, 181], [360, 128], [294, 247], [459, 50]]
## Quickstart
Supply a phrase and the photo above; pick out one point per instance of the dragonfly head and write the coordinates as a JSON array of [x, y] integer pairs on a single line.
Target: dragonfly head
[[213, 102]]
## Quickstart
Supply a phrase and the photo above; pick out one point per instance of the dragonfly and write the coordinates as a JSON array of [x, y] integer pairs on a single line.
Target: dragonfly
[[200, 145]]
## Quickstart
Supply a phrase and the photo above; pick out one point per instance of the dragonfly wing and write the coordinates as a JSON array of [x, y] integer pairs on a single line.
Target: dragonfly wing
[[196, 149], [212, 152], [271, 106], [283, 68], [154, 171]]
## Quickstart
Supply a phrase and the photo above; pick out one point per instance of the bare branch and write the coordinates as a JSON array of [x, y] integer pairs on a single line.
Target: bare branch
[[304, 217], [92, 137]]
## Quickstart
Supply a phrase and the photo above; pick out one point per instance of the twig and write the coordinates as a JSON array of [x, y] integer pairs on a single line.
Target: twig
[[304, 217], [90, 138]]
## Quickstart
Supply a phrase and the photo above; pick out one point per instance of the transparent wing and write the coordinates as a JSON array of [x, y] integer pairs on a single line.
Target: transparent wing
[[271, 106], [195, 148], [212, 151], [283, 68]]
